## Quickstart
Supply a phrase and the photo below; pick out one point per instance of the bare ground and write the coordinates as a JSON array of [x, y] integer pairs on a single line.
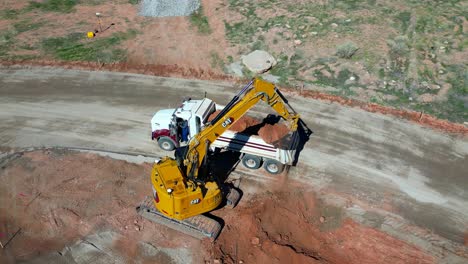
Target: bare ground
[[57, 198]]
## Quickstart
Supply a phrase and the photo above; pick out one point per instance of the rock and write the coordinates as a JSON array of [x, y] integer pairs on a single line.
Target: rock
[[351, 80], [271, 78], [297, 42], [258, 61], [426, 98], [135, 222], [288, 26], [322, 219], [137, 228], [255, 240], [441, 72], [126, 227], [334, 25], [241, 262], [216, 261], [348, 20], [312, 20], [314, 32], [235, 68]]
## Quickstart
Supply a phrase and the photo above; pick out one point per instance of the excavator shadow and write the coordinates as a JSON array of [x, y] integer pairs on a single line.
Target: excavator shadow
[[221, 164], [304, 134]]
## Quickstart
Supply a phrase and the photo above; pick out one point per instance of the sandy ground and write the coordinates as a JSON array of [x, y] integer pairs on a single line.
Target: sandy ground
[[387, 176]]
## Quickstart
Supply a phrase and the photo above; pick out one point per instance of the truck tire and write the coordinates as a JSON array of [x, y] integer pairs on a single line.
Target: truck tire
[[251, 161], [273, 166], [166, 143]]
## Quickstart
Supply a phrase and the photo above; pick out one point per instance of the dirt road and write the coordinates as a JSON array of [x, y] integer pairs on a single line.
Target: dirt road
[[390, 174]]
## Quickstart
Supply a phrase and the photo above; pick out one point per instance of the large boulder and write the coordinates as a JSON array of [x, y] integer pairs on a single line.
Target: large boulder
[[258, 61]]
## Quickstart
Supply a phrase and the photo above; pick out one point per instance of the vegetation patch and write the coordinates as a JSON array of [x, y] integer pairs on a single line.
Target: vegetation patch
[[9, 14], [74, 48], [346, 50], [27, 25], [64, 6], [200, 22]]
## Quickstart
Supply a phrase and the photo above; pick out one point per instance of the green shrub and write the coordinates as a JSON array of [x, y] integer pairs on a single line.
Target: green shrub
[[200, 21], [346, 50], [398, 46]]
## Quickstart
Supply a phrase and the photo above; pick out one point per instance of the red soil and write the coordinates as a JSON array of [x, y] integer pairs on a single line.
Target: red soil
[[269, 133], [273, 133], [58, 197], [286, 227]]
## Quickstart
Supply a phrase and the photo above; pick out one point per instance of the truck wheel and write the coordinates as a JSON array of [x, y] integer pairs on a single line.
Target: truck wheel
[[273, 166], [166, 143], [251, 161]]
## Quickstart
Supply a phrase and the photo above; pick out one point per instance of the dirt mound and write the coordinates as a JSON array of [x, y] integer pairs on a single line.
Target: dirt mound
[[249, 125], [241, 124], [287, 227], [273, 133]]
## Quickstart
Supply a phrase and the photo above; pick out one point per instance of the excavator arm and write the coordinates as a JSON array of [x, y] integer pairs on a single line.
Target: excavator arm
[[247, 98]]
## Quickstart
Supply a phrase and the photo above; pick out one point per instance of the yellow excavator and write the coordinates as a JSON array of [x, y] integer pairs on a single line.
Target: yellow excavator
[[182, 189]]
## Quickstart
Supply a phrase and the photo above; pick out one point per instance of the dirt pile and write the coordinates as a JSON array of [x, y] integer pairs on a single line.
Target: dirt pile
[[287, 227], [273, 133], [249, 125]]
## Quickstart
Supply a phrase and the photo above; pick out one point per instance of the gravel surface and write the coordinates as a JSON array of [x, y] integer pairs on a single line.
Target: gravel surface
[[167, 8]]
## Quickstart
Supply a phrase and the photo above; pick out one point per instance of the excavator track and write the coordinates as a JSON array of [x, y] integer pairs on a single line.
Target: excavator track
[[197, 226]]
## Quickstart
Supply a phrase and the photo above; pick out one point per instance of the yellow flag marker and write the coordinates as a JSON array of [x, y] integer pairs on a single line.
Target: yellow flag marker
[[91, 34]]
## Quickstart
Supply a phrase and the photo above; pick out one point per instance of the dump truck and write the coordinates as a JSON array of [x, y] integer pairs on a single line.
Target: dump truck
[[172, 128]]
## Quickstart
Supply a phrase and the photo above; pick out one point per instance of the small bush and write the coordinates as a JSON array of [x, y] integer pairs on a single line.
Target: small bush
[[9, 14], [398, 46], [346, 50]]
